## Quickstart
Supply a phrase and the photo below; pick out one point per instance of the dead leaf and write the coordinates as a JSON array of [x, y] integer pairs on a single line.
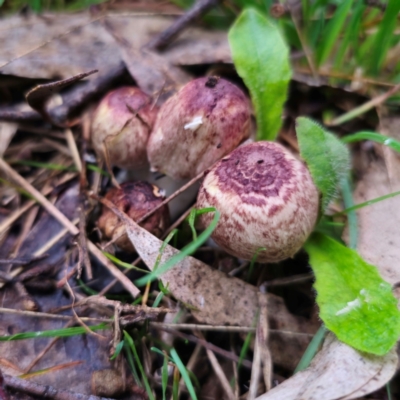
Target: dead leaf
[[381, 220], [63, 45], [337, 372], [152, 72], [218, 299], [68, 44]]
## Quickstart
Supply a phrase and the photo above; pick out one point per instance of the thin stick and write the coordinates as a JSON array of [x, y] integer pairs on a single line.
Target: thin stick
[[256, 370], [219, 372], [206, 345], [224, 328], [38, 314], [60, 217], [167, 36], [73, 149], [356, 112], [45, 391], [172, 196], [262, 338], [291, 280]]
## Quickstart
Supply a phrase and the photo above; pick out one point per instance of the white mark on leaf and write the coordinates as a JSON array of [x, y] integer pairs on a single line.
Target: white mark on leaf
[[351, 305]]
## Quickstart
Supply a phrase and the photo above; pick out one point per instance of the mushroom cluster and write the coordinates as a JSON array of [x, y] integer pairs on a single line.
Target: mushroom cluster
[[266, 197]]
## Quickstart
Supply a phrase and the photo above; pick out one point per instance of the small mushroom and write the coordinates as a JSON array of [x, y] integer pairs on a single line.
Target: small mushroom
[[197, 126], [267, 200], [121, 126], [135, 199]]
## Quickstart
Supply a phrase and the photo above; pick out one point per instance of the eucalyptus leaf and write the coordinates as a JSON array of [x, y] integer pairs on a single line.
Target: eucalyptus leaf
[[355, 302], [261, 58], [328, 159]]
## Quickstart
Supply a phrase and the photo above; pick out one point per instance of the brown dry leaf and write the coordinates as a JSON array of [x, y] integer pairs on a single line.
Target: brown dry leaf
[[337, 372], [151, 71], [68, 44], [218, 299], [381, 220], [63, 45]]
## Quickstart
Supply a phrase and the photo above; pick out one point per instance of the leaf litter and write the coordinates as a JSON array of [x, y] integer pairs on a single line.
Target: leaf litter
[[211, 295]]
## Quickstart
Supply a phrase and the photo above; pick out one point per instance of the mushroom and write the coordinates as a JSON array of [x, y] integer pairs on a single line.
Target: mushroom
[[121, 127], [135, 199], [267, 200], [197, 126]]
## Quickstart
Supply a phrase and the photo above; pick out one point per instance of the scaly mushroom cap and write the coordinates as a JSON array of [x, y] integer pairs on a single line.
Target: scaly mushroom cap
[[135, 199], [122, 123], [197, 126], [266, 198]]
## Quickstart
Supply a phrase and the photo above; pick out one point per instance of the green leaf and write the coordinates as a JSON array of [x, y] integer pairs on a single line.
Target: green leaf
[[261, 58], [327, 157], [355, 302], [332, 31]]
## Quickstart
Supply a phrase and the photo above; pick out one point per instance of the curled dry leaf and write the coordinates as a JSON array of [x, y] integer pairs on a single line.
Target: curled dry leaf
[[338, 371], [7, 132], [152, 72]]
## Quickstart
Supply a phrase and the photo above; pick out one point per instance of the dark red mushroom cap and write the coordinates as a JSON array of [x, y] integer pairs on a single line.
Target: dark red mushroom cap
[[135, 199], [197, 126], [121, 125]]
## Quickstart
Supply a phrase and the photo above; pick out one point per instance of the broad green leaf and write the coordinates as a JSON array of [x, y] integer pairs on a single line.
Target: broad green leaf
[[332, 31], [327, 157], [261, 58], [355, 302]]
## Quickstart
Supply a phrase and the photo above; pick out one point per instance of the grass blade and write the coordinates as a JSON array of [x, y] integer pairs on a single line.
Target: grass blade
[[347, 194], [383, 38], [373, 136], [312, 349], [65, 332], [132, 346], [332, 30], [186, 251], [184, 373]]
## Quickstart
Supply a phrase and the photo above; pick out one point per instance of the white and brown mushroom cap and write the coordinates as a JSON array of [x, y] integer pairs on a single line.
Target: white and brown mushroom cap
[[122, 123], [197, 126], [266, 198]]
